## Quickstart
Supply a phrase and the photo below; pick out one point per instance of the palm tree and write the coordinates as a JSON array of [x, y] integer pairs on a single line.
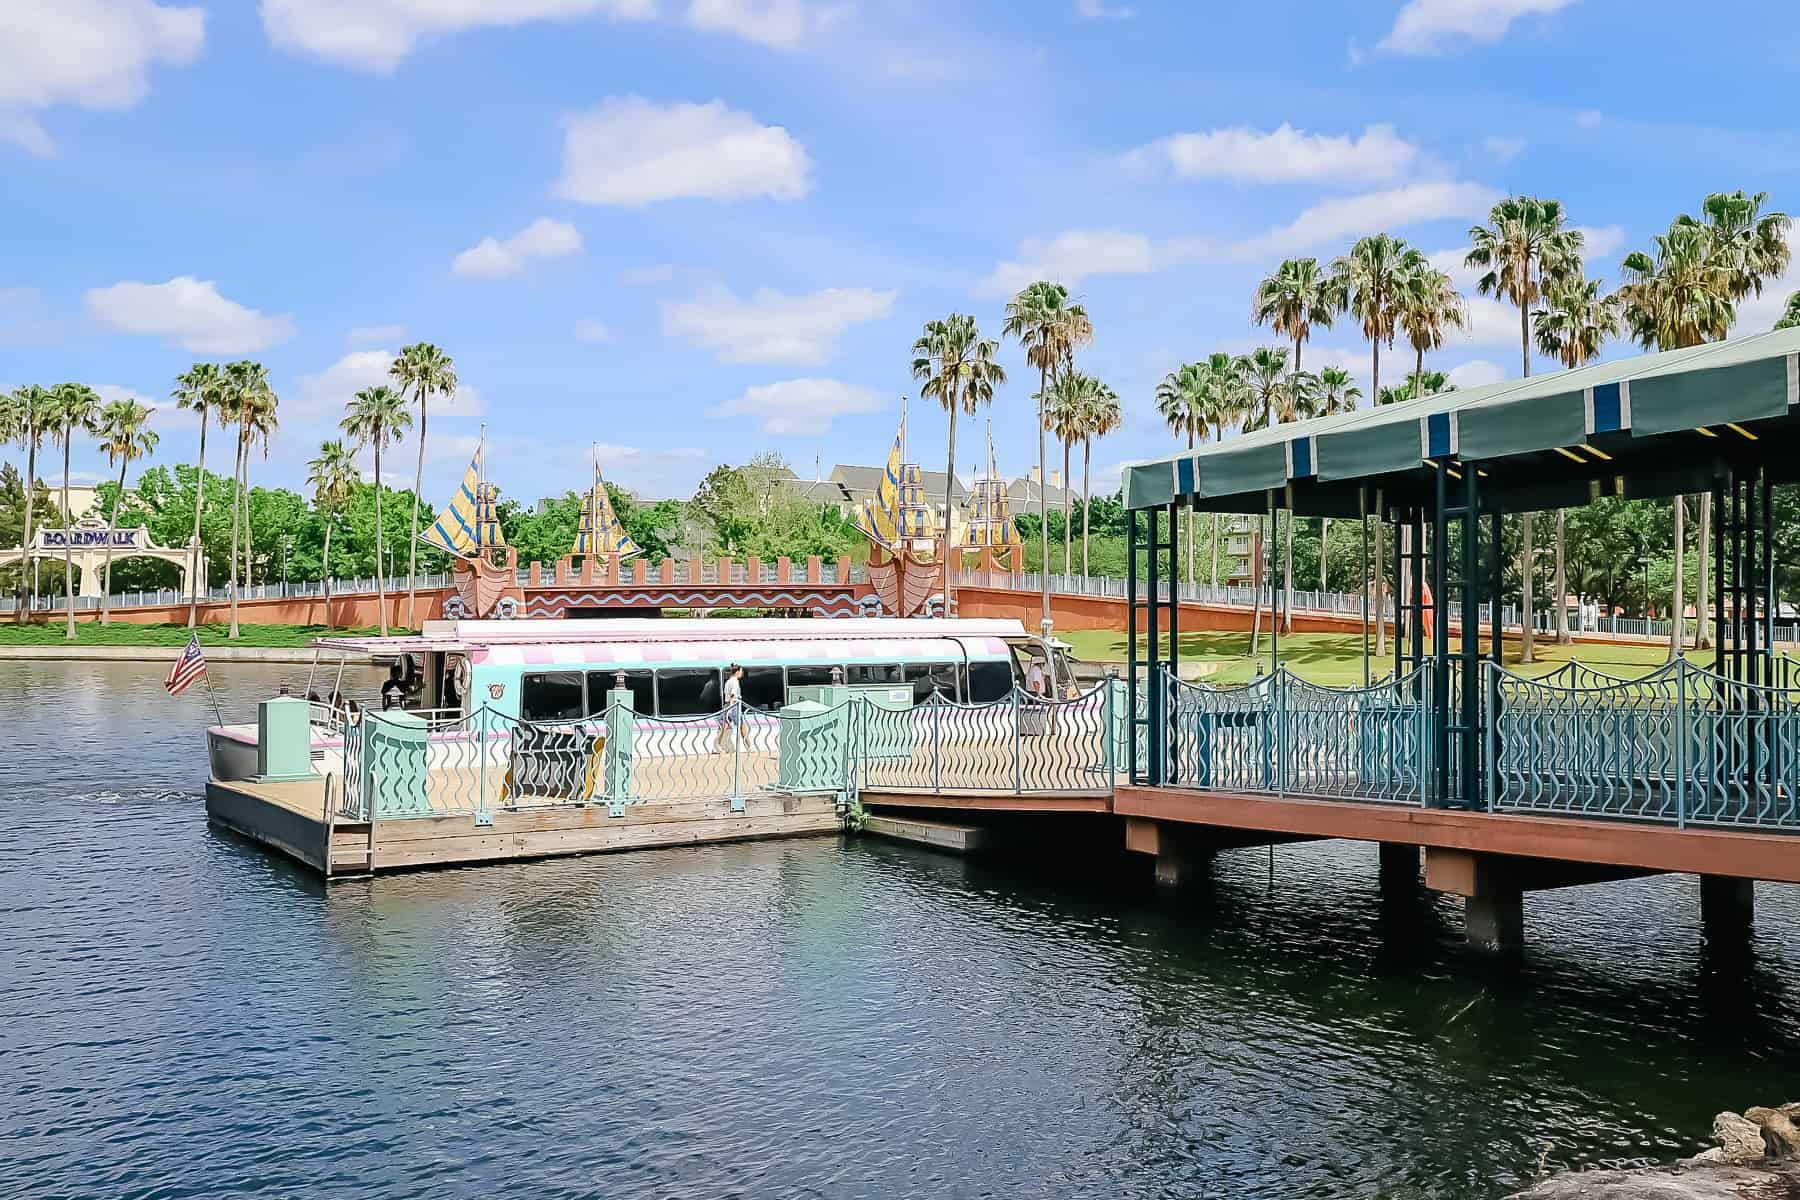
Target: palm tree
[[373, 417], [1430, 306], [1050, 327], [1428, 383], [73, 406], [1297, 401], [1572, 326], [1523, 234], [1225, 400], [1337, 393], [1299, 295], [28, 422], [1790, 318], [333, 478], [1070, 397], [1101, 415], [1752, 248], [1265, 374], [123, 428], [1181, 400], [428, 371], [198, 390], [248, 402], [1368, 282], [959, 372]]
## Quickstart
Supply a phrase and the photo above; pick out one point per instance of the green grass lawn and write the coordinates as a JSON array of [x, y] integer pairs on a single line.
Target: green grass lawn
[[1335, 659], [92, 633]]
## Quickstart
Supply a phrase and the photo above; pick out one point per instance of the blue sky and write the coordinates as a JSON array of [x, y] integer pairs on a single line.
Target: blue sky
[[694, 229]]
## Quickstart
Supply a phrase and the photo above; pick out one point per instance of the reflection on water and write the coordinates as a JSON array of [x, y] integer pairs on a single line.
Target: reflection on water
[[189, 1016]]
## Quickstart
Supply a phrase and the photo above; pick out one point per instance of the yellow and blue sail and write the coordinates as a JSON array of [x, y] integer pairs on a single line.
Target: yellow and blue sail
[[467, 525], [989, 513], [600, 532], [880, 517]]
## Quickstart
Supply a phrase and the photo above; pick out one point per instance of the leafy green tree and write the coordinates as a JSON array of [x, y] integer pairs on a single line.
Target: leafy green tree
[[25, 417], [123, 428], [1337, 393], [374, 417], [1051, 327], [13, 517], [1368, 278], [1790, 319], [333, 478], [249, 402], [1181, 401], [427, 371]]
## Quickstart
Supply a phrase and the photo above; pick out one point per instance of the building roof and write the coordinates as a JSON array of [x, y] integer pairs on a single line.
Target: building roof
[[1652, 425], [862, 481], [1024, 491], [817, 491]]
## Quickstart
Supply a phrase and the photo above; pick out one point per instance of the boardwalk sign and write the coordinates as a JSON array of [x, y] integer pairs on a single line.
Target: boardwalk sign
[[91, 536]]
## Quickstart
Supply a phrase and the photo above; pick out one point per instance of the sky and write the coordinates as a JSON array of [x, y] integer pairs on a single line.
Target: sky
[[692, 230]]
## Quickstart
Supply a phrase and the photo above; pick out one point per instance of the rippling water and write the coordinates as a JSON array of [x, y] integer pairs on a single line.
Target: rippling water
[[187, 1016]]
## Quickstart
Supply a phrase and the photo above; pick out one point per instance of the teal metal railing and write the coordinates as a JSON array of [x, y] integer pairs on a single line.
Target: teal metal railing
[[1682, 745]]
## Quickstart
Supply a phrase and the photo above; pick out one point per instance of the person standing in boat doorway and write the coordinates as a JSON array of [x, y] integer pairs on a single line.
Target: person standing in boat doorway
[[393, 692], [732, 715]]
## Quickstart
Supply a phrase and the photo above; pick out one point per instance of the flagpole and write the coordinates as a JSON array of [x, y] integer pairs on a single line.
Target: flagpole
[[215, 697]]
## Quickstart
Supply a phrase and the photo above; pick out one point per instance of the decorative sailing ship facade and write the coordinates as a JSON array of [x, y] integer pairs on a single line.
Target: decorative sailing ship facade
[[987, 520], [905, 568], [483, 567]]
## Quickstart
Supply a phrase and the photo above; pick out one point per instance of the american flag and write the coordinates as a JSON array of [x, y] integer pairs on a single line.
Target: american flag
[[189, 667]]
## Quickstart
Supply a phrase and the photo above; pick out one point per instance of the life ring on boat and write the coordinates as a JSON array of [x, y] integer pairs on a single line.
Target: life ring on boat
[[454, 608], [507, 609]]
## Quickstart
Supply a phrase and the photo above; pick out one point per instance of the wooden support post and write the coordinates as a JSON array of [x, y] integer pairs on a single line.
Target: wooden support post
[[1493, 898], [1496, 921], [1180, 860], [1399, 865], [1727, 907]]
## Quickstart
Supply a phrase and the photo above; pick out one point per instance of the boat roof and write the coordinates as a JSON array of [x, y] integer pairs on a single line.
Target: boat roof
[[748, 637]]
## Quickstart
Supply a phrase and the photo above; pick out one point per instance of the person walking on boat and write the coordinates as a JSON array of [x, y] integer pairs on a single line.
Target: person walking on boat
[[732, 715]]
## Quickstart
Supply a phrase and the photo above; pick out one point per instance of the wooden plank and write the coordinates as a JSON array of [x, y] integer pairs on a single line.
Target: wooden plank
[[594, 816], [939, 835], [1039, 802], [1741, 855], [487, 846], [294, 834]]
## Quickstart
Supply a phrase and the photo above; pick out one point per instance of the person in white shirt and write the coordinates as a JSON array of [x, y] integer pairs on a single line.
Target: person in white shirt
[[1035, 680], [733, 712]]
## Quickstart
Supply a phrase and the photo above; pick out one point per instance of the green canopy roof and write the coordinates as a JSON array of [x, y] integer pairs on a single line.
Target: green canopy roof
[[1606, 416]]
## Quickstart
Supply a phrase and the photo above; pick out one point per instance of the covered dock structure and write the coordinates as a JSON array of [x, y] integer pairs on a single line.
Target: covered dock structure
[[1687, 751]]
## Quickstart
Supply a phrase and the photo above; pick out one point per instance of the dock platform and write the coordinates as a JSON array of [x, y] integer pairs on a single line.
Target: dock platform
[[294, 819]]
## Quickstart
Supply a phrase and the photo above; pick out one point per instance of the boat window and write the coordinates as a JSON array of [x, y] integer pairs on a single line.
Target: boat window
[[763, 688], [989, 681], [687, 691], [552, 696], [809, 676], [929, 677], [641, 685], [874, 673]]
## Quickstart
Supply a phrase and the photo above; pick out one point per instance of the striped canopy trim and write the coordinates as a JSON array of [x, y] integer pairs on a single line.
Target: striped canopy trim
[[1745, 379]]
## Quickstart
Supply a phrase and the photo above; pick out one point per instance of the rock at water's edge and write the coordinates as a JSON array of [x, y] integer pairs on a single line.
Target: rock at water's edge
[[1781, 1137], [1705, 1181], [1740, 1138]]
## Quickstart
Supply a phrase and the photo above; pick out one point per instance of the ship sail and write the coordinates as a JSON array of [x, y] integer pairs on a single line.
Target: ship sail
[[467, 525], [600, 533], [879, 518], [989, 512]]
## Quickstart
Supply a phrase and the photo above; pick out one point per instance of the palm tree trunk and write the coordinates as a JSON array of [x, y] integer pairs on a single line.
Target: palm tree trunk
[[197, 578], [1189, 520], [30, 580], [1562, 578], [1677, 617], [1375, 371], [1419, 373], [1526, 554], [950, 482], [112, 527], [1703, 626], [68, 557], [380, 580], [249, 539], [1068, 514], [1043, 501], [412, 553], [325, 571], [237, 486], [1087, 450], [1257, 580]]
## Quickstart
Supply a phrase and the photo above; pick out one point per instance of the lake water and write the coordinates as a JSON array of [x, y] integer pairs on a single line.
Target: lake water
[[185, 1015]]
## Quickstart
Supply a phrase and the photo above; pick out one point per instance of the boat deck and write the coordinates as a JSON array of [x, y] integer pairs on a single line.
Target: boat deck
[[293, 819]]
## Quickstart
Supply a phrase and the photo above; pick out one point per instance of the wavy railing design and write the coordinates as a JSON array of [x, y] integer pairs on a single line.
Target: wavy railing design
[[1017, 745], [1681, 745]]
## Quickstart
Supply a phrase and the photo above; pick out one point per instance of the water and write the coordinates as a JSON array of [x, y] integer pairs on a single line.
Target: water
[[187, 1016]]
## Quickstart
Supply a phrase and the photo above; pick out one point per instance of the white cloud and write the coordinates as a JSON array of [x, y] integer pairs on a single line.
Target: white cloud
[[782, 24], [493, 259], [324, 394], [377, 34], [800, 406], [1490, 322], [638, 276], [1600, 241], [771, 327], [189, 313], [1437, 26], [1352, 216], [592, 331], [375, 335], [1503, 149], [1283, 155], [465, 401], [93, 53], [1476, 373], [632, 152], [1098, 10], [1072, 257]]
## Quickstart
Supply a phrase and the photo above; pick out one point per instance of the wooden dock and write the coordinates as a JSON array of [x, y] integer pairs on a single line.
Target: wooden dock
[[292, 818]]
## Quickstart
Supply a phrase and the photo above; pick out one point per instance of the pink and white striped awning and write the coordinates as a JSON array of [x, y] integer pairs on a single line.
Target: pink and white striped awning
[[675, 653]]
